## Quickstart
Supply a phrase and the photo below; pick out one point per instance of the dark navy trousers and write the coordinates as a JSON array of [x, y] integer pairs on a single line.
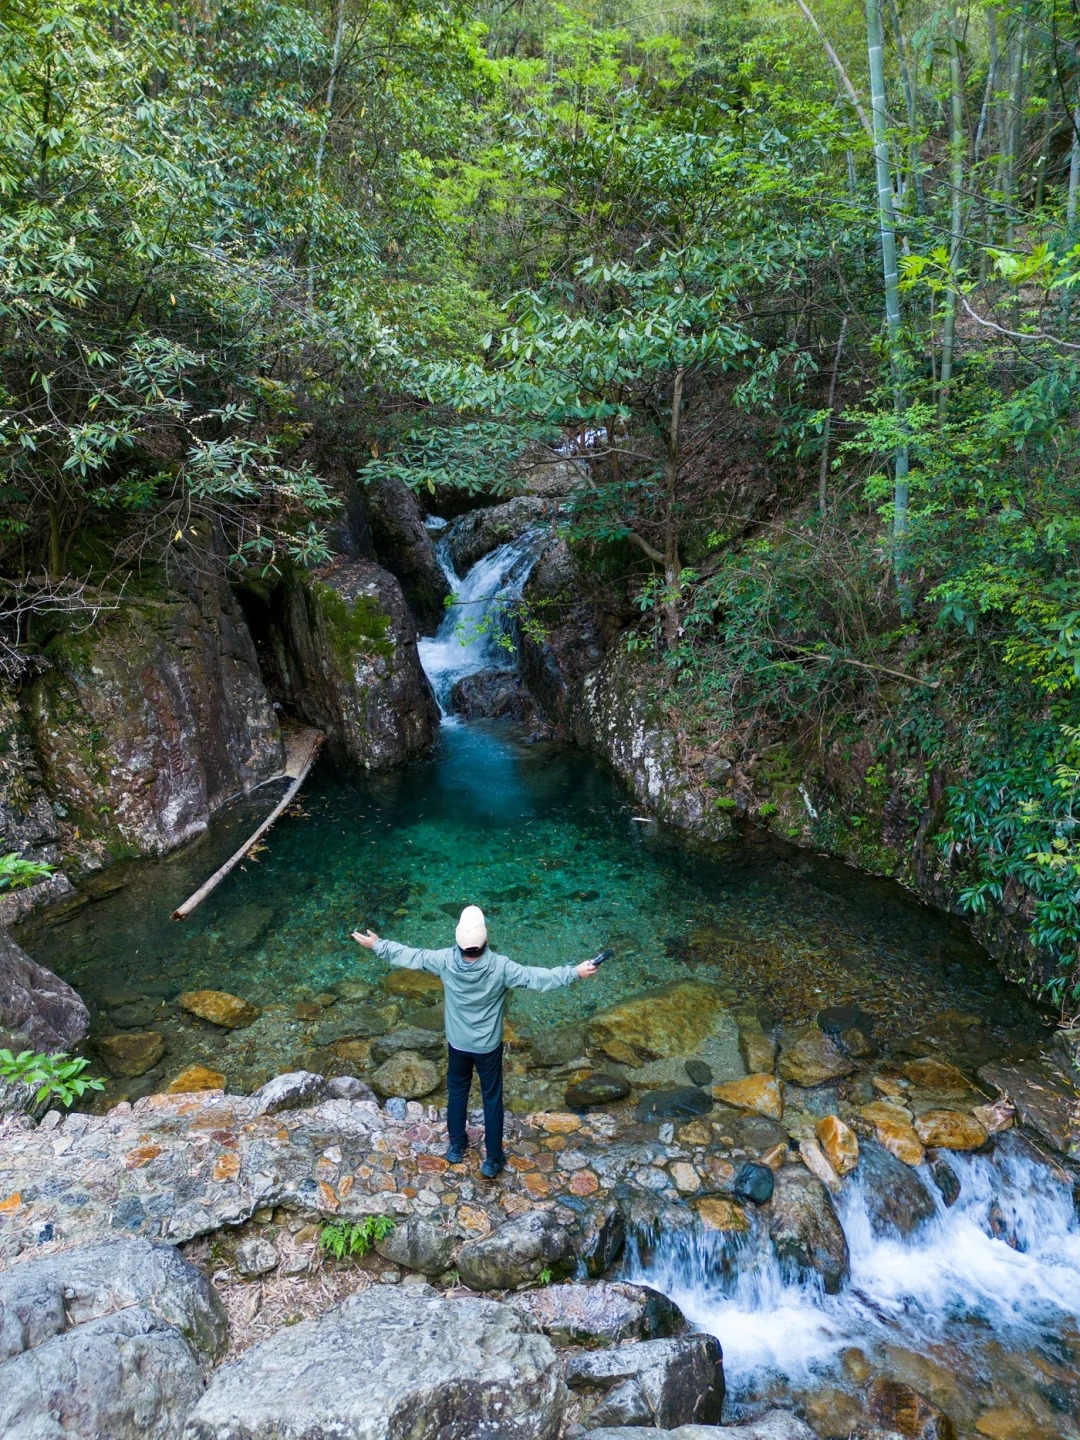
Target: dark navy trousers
[[459, 1071]]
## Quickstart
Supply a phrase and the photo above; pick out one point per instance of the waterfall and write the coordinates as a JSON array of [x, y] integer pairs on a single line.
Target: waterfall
[[475, 628], [1004, 1259]]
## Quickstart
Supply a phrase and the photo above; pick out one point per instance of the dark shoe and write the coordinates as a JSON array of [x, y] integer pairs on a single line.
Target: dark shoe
[[492, 1169], [455, 1154]]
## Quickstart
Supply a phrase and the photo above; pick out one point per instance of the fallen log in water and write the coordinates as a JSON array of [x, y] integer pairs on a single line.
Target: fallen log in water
[[301, 748]]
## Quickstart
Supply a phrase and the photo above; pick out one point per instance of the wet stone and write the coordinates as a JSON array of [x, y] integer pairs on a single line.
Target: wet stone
[[699, 1073], [597, 1088], [130, 1054], [945, 1179], [836, 1019], [405, 1075], [809, 1058], [896, 1199], [760, 1093], [898, 1407], [219, 1008], [753, 1182], [680, 1103], [409, 1037]]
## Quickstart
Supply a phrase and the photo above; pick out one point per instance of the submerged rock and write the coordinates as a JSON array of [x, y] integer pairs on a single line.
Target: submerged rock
[[391, 1362], [804, 1229], [776, 1425], [898, 1407], [130, 1053], [810, 1058], [653, 1383], [411, 984], [596, 1089], [195, 1078], [760, 1093], [219, 1007], [557, 1046], [679, 1103], [671, 1020], [406, 1074], [409, 1037], [515, 1253]]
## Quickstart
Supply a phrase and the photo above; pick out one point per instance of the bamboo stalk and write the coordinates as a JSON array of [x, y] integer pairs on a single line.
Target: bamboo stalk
[[957, 155], [302, 762], [887, 220]]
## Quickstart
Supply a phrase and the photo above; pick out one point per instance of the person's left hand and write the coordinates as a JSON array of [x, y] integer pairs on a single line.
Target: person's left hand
[[587, 969], [368, 940]]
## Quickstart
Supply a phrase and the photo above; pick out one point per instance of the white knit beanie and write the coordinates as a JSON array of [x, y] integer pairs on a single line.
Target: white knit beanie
[[471, 932]]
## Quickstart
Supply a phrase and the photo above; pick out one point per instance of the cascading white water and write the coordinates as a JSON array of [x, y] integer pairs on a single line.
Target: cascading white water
[[470, 638], [1004, 1259]]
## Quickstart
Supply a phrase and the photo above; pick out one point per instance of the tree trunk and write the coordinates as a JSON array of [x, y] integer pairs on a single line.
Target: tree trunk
[[320, 152], [887, 222], [1013, 130], [957, 156], [910, 100], [672, 563]]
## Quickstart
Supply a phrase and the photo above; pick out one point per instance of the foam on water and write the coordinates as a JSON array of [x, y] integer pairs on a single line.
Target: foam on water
[[471, 635], [1004, 1259]]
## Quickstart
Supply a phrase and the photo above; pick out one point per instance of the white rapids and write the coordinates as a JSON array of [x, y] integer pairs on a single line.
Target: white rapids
[[472, 635], [1004, 1259]]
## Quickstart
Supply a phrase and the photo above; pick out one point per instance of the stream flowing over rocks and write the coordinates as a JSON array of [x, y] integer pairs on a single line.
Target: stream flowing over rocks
[[796, 1166]]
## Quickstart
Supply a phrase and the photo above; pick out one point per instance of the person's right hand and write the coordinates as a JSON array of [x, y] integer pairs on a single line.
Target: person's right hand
[[368, 940]]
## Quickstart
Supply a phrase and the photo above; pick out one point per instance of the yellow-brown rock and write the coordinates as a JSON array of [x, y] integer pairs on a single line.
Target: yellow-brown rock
[[194, 1078], [810, 1058], [893, 1128], [413, 984], [814, 1158], [620, 1052], [719, 1214], [671, 1020], [775, 1156], [997, 1116], [839, 1142], [219, 1007], [352, 1052], [758, 1050], [760, 1093], [1006, 1422], [695, 1132], [950, 1130], [936, 1075], [130, 1052]]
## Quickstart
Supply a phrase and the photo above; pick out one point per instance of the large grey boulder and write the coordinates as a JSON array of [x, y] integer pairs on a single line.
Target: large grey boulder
[[418, 1244], [604, 1312], [804, 1229], [293, 1091], [53, 1294], [404, 545], [480, 531], [654, 1383], [106, 1340], [353, 666], [125, 1376], [400, 1364], [38, 1010], [515, 1253]]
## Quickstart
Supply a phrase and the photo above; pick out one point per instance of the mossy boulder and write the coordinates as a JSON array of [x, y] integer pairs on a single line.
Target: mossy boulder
[[670, 1020]]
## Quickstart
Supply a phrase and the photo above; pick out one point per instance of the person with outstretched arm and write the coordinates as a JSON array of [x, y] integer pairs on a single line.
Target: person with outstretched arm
[[475, 982]]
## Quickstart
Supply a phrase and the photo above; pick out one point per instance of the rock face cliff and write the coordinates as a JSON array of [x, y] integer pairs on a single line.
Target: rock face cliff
[[838, 800], [135, 730], [345, 656], [145, 725]]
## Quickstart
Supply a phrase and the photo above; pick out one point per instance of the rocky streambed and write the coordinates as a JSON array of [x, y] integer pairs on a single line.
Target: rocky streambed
[[813, 1216]]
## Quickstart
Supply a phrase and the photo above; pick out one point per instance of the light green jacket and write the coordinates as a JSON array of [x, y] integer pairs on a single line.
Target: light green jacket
[[475, 990]]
